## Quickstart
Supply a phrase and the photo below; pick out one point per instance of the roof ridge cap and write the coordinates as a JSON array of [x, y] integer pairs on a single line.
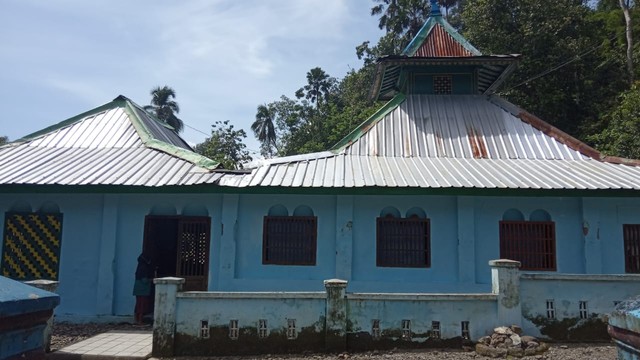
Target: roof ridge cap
[[148, 140]]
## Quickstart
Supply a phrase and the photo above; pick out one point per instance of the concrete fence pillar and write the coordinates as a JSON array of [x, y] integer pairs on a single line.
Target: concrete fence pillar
[[164, 315], [505, 282], [336, 317], [50, 286]]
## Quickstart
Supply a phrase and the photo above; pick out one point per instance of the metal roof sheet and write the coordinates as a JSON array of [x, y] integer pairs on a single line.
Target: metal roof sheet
[[440, 43], [115, 144], [438, 141], [353, 171], [457, 126]]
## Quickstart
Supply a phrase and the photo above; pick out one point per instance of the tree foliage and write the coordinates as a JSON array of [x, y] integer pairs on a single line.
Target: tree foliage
[[164, 107], [225, 145], [570, 74], [324, 111], [3, 140], [566, 76], [621, 137]]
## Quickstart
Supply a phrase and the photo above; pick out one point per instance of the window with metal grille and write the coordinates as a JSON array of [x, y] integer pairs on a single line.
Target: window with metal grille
[[375, 329], [31, 247], [204, 329], [464, 327], [234, 331], [406, 330], [532, 243], [291, 329], [289, 240], [584, 312], [403, 242], [631, 233], [435, 329], [551, 309], [442, 84], [262, 328]]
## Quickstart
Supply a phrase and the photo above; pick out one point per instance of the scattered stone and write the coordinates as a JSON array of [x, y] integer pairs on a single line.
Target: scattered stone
[[505, 341], [516, 329], [503, 330], [515, 339]]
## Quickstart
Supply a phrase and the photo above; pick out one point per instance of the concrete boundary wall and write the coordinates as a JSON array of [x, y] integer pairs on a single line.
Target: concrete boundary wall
[[572, 307], [223, 323]]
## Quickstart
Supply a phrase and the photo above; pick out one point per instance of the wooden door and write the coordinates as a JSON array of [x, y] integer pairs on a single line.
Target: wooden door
[[193, 252]]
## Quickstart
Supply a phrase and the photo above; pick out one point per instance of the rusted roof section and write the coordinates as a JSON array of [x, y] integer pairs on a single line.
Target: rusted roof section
[[455, 142], [115, 144], [459, 126], [440, 43]]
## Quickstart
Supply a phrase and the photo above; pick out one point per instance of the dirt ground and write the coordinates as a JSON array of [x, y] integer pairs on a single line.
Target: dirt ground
[[66, 334]]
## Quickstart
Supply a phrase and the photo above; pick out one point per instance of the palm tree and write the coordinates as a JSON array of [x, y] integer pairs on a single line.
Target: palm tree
[[164, 107], [264, 129]]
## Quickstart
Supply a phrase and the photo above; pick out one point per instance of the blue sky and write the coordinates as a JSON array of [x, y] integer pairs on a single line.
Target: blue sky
[[223, 57]]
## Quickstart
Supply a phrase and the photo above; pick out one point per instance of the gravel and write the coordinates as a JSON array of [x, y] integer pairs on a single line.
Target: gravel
[[66, 334]]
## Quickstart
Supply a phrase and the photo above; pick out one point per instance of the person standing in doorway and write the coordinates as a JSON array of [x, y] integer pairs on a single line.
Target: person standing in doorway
[[142, 288]]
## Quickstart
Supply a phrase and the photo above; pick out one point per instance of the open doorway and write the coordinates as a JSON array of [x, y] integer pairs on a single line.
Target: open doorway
[[179, 246]]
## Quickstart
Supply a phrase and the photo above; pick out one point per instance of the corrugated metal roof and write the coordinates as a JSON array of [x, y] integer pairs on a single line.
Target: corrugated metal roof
[[354, 171], [457, 126], [436, 141], [440, 43], [116, 144]]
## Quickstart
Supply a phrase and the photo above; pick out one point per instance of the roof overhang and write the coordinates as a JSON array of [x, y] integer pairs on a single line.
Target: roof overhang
[[492, 71]]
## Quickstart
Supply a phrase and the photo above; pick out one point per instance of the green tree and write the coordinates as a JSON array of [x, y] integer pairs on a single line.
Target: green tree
[[621, 137], [3, 140], [319, 86], [225, 145], [402, 18], [264, 129], [549, 33], [164, 107]]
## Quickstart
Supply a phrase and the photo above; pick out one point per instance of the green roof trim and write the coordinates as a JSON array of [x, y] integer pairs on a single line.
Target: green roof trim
[[372, 120], [153, 143], [277, 190], [424, 32]]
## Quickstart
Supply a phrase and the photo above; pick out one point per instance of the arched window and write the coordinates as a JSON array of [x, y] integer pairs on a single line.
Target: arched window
[[532, 243], [289, 240], [403, 242]]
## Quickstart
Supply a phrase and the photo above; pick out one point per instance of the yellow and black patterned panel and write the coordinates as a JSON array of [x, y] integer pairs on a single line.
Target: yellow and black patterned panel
[[31, 248]]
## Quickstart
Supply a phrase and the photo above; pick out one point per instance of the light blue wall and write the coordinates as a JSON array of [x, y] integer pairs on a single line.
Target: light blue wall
[[600, 294], [251, 274], [565, 212], [366, 276], [81, 228], [481, 314], [132, 210], [103, 234], [308, 312]]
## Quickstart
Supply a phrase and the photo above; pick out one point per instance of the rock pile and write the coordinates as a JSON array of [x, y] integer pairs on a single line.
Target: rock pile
[[509, 341]]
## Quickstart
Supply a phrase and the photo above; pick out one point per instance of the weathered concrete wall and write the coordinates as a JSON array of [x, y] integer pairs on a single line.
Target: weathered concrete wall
[[279, 311], [390, 310], [103, 234], [600, 292]]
